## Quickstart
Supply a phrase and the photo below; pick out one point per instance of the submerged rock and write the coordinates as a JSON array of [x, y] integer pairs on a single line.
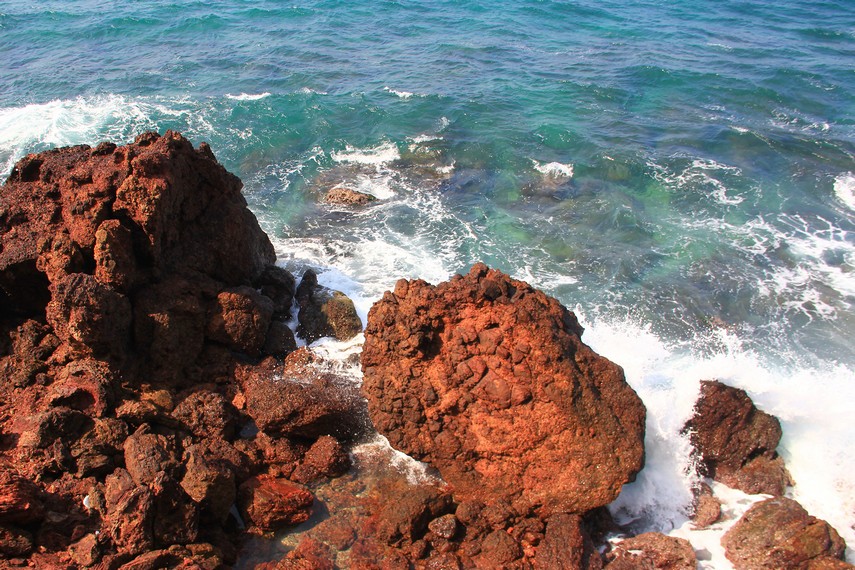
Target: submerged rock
[[487, 380]]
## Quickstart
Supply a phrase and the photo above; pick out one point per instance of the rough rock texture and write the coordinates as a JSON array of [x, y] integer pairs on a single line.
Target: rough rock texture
[[270, 503], [301, 397], [778, 533], [487, 380], [736, 442], [324, 312], [347, 197], [135, 287], [652, 551]]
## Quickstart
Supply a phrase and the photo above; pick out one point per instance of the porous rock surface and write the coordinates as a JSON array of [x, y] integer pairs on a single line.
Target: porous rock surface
[[736, 441], [487, 379]]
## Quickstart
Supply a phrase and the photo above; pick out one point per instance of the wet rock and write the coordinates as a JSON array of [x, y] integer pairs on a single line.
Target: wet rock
[[280, 341], [778, 533], [325, 458], [654, 551], [405, 511], [309, 555], [487, 380], [302, 398], [240, 319], [270, 503], [324, 312], [347, 197], [736, 441], [707, 509]]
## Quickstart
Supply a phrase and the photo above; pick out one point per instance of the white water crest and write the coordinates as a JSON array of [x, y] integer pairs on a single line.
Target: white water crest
[[554, 169], [376, 156], [844, 189], [248, 96]]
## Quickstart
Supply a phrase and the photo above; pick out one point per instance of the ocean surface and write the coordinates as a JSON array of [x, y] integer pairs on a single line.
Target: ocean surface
[[680, 174]]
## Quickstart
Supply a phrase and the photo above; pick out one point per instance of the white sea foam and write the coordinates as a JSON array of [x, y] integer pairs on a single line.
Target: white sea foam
[[248, 96], [378, 155], [701, 174], [844, 189], [402, 94], [554, 169], [378, 450]]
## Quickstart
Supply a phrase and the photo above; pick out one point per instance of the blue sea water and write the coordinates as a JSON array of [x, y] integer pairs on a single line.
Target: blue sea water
[[682, 174]]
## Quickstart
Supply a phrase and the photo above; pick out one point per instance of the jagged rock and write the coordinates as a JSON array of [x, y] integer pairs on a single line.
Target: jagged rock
[[324, 312], [241, 317], [279, 286], [115, 264], [176, 517], [487, 380], [14, 542], [325, 458], [566, 546], [347, 197], [84, 385], [736, 441], [707, 508], [210, 483], [270, 503], [302, 398], [779, 533], [207, 414], [19, 499], [653, 551], [147, 454]]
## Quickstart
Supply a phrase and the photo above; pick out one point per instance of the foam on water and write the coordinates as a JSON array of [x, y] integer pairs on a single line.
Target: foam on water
[[248, 96], [554, 169], [844, 189], [376, 156]]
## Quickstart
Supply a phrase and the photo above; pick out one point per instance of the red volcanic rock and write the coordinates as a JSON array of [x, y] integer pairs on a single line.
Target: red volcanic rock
[[210, 483], [207, 414], [566, 546], [240, 319], [83, 385], [147, 454], [736, 441], [19, 499], [270, 503], [325, 458], [302, 398], [487, 380], [654, 551], [347, 197], [115, 264], [778, 533]]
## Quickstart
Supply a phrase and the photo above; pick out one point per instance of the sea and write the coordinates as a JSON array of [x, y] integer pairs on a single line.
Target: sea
[[680, 174]]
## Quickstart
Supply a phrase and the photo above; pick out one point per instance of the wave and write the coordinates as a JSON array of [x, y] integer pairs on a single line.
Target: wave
[[554, 169], [844, 189], [248, 96], [381, 154]]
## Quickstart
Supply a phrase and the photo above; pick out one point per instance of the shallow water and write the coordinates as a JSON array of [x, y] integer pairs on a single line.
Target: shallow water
[[683, 176]]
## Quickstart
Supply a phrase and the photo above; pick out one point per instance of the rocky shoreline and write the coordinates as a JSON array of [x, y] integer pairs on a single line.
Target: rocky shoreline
[[155, 411]]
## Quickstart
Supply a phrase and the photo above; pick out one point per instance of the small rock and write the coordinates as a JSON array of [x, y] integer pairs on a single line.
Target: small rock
[[347, 197], [270, 503], [653, 550], [444, 526]]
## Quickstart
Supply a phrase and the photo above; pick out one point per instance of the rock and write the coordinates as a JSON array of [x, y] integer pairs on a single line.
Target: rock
[[86, 551], [346, 197], [301, 398], [270, 503], [404, 512], [279, 286], [130, 519], [324, 312], [210, 483], [828, 563], [736, 441], [325, 458], [207, 414], [241, 317], [147, 454], [115, 264], [654, 551], [487, 380], [99, 450], [84, 385], [566, 546], [14, 542], [32, 345], [176, 517], [19, 499], [707, 509], [91, 317], [778, 533], [280, 341], [444, 527]]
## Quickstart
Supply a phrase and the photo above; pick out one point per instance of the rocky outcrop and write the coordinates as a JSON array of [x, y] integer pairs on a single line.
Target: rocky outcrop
[[488, 380], [778, 533], [136, 292], [736, 442]]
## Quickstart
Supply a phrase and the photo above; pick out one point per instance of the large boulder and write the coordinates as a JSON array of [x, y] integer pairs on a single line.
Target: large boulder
[[779, 533], [487, 380], [736, 441]]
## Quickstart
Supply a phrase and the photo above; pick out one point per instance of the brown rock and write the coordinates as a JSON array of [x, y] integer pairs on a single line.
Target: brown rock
[[147, 454], [210, 483], [84, 385], [130, 520], [487, 380], [347, 197], [778, 533], [90, 316], [32, 345], [324, 312], [566, 546], [115, 264], [176, 516], [207, 414], [404, 512], [270, 503], [14, 542], [729, 433], [325, 458], [240, 320], [652, 550], [302, 398], [707, 508], [19, 499], [828, 563], [280, 341], [444, 527]]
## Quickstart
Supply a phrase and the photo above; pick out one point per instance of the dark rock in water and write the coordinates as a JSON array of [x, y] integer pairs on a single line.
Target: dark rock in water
[[779, 533], [324, 312], [487, 380], [270, 503], [654, 551], [300, 398], [736, 441], [347, 197]]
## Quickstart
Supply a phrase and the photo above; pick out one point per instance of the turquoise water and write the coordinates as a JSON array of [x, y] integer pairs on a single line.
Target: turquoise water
[[681, 174]]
